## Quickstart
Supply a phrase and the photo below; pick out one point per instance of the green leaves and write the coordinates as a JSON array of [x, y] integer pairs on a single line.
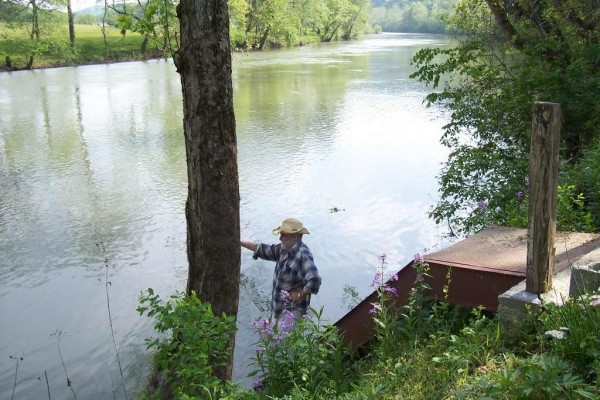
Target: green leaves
[[195, 342], [488, 84], [307, 358], [538, 377]]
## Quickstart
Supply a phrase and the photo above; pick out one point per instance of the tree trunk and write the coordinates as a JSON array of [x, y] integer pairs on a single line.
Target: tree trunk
[[71, 25], [103, 29], [543, 186], [144, 46], [35, 23], [348, 34], [264, 37], [212, 208]]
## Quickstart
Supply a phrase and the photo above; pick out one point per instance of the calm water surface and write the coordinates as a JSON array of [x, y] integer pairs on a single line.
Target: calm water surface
[[93, 183]]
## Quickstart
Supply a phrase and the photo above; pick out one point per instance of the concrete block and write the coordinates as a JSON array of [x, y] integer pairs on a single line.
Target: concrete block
[[585, 277], [516, 305]]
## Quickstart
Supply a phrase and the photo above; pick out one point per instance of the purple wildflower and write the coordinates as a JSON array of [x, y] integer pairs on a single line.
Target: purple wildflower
[[393, 278], [262, 325], [257, 385], [419, 277], [482, 205], [418, 258], [286, 323], [391, 291], [373, 311], [285, 295], [263, 328], [520, 195], [382, 257], [377, 279]]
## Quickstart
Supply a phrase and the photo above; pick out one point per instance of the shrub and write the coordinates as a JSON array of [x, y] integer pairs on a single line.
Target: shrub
[[301, 356], [581, 322], [197, 342], [539, 377]]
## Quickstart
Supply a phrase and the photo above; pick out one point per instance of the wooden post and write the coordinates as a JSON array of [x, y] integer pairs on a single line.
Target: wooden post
[[543, 187]]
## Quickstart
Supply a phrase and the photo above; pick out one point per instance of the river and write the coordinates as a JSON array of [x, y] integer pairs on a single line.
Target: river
[[93, 178]]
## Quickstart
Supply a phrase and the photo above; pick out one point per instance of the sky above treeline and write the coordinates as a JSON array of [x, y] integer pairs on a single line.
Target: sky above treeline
[[77, 5]]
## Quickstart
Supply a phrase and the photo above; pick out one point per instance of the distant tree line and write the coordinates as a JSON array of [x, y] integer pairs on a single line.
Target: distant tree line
[[423, 16], [254, 24]]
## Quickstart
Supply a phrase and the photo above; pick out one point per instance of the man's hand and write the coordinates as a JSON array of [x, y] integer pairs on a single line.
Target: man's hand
[[298, 295]]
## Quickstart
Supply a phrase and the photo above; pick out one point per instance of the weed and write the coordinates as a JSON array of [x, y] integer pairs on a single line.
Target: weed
[[107, 283], [300, 356], [197, 342], [538, 377], [581, 320], [58, 333]]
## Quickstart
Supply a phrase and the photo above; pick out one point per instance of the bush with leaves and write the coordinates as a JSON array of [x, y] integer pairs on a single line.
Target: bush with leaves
[[196, 342], [541, 376], [572, 214], [488, 83], [579, 318], [299, 355], [584, 175]]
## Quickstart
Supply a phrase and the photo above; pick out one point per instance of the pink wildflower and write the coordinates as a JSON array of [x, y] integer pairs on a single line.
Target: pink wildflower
[[391, 291], [377, 279]]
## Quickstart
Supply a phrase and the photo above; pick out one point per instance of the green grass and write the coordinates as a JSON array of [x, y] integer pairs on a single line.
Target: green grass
[[437, 351], [53, 50]]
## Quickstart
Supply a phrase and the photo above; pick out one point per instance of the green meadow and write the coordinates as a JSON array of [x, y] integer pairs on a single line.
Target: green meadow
[[53, 48]]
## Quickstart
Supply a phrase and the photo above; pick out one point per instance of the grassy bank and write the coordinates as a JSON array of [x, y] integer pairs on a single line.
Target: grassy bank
[[422, 351], [53, 50]]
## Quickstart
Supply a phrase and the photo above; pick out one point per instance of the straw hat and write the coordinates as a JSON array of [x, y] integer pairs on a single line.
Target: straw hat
[[291, 226]]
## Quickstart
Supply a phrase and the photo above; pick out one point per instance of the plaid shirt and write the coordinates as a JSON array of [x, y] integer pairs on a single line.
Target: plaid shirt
[[294, 269]]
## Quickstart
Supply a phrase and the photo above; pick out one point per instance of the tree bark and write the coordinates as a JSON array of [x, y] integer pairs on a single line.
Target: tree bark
[[29, 63], [212, 209], [543, 186], [35, 23], [103, 29], [71, 25], [501, 18]]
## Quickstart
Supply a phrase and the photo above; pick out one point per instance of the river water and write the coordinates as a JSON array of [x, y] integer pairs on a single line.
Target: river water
[[93, 187]]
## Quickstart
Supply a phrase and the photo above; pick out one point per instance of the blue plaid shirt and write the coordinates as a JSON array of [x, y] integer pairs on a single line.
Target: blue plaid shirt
[[294, 269]]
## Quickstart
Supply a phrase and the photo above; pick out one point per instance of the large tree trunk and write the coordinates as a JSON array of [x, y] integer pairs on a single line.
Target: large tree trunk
[[212, 208]]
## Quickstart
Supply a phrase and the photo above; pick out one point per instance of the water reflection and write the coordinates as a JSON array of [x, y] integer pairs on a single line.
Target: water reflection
[[95, 155]]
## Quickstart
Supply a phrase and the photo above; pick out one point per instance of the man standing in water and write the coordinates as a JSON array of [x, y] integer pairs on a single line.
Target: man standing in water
[[296, 276]]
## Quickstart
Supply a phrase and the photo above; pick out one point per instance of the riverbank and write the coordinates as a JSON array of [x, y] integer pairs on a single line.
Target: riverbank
[[424, 350], [23, 53]]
